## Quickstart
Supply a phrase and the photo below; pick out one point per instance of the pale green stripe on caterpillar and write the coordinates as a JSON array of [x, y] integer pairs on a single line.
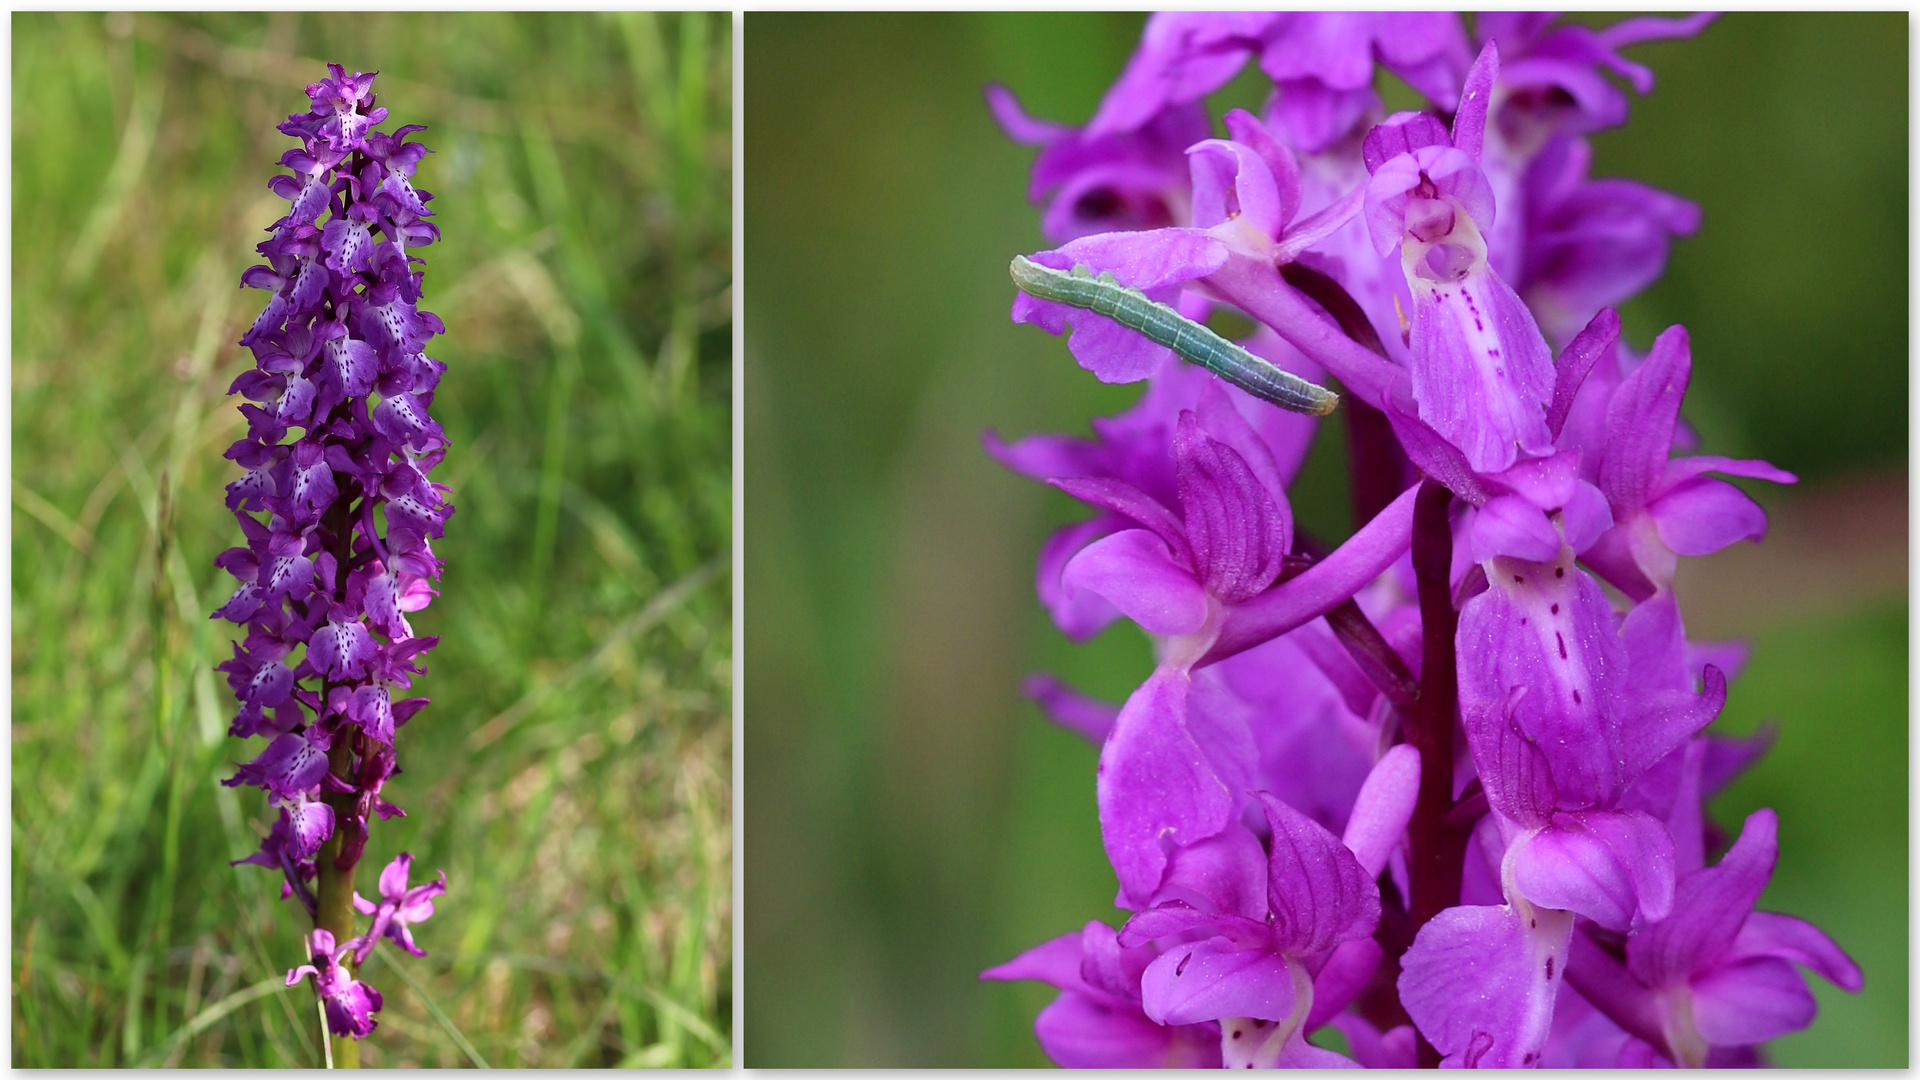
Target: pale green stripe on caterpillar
[[1163, 325]]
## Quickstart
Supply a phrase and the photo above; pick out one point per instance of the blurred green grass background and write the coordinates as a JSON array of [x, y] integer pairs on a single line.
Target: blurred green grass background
[[913, 820], [573, 775]]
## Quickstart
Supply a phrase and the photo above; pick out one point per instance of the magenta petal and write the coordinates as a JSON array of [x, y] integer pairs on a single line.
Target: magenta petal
[[1221, 421], [1702, 515], [1373, 1049], [1383, 808], [1056, 962], [1298, 1053], [1347, 972], [1069, 708], [1236, 528], [1546, 482], [1133, 571], [1293, 603], [1212, 979], [1177, 920], [1481, 370], [1750, 1001], [1539, 648], [1686, 468], [1656, 723], [1708, 907], [1598, 339], [1150, 261], [1112, 352], [1079, 615], [1317, 891], [1312, 115], [1640, 423], [1656, 645], [1156, 789], [1014, 120], [1079, 1032], [1585, 517], [1515, 771], [1605, 865], [1282, 167], [1470, 120], [1510, 525], [1147, 261], [1128, 501], [1044, 457], [1182, 56], [1231, 181], [1769, 934], [1480, 983], [1225, 874]]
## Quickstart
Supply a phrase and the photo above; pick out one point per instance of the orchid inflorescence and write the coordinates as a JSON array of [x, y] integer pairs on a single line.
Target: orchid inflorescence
[[1430, 788], [339, 357]]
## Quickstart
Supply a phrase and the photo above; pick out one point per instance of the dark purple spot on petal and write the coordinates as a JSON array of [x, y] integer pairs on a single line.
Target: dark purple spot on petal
[[1562, 642], [1181, 968]]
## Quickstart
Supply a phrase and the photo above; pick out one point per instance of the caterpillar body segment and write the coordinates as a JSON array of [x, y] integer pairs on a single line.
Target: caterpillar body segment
[[1162, 325]]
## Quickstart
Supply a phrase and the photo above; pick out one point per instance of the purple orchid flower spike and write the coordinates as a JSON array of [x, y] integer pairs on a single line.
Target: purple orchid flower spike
[[398, 908], [1514, 767], [339, 438], [349, 1003]]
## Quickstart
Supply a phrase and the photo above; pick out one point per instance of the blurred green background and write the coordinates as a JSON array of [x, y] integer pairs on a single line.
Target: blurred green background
[[912, 820], [573, 776]]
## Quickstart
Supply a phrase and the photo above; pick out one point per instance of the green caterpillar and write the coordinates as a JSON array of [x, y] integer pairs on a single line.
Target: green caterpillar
[[1162, 325]]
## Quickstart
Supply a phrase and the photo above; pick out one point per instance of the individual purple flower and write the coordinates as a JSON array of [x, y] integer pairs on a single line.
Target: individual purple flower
[[1136, 448], [1482, 374], [1665, 507], [1246, 194], [1097, 1021], [398, 908], [349, 1003], [1716, 974], [1130, 180], [1590, 244], [1553, 79], [1272, 944]]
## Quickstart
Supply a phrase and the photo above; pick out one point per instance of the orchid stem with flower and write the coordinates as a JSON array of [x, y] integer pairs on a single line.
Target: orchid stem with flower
[[1430, 788], [338, 439]]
